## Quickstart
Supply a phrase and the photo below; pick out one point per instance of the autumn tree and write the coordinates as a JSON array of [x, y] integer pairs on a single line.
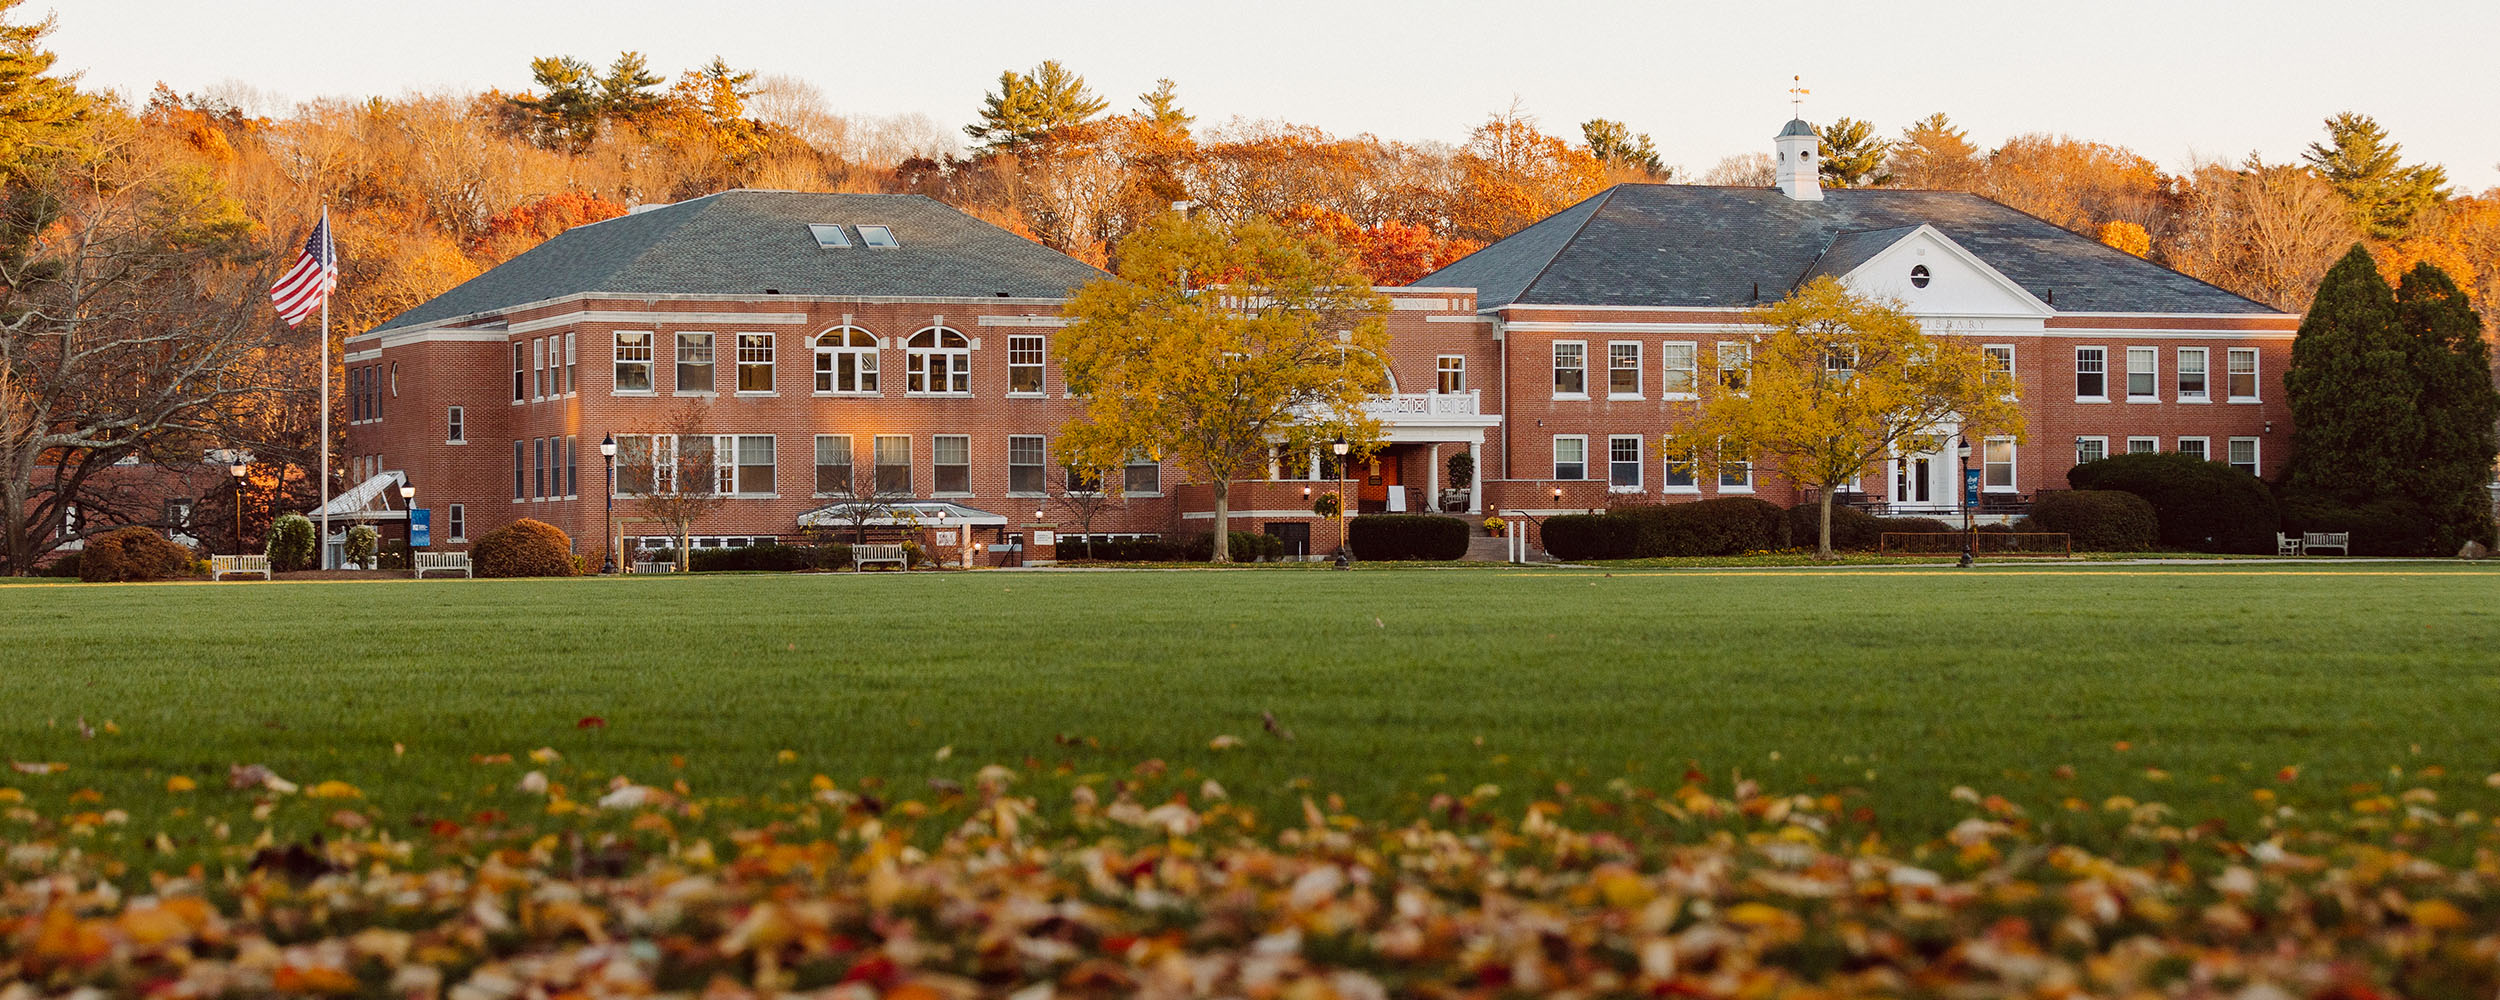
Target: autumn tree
[[671, 471], [1616, 145], [2382, 191], [857, 495], [1852, 155], [1933, 154], [1515, 175], [39, 112], [1084, 497], [2266, 231], [2077, 185], [2120, 234], [1840, 383], [1755, 170], [1030, 106], [1213, 343]]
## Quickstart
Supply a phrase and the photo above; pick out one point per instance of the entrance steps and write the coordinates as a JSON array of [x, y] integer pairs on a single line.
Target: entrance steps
[[1493, 548]]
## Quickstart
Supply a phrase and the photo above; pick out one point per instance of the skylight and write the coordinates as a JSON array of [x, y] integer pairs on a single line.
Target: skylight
[[828, 236], [877, 236]]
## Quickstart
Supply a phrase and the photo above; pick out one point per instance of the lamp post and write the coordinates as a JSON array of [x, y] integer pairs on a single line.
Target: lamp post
[[1344, 551], [1970, 532], [236, 469], [408, 506], [607, 453]]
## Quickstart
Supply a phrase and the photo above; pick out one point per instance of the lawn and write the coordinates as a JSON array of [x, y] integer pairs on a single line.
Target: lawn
[[2190, 685]]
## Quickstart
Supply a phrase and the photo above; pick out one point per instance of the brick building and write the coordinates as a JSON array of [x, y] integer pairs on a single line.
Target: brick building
[[831, 332]]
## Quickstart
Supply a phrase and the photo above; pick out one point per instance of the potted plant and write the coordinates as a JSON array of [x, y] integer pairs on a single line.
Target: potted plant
[[1494, 525]]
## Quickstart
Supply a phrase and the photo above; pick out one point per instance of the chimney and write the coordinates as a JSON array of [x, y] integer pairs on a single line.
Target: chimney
[[1798, 177]]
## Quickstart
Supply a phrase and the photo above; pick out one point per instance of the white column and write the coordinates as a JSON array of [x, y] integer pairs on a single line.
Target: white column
[[1432, 479], [1475, 476]]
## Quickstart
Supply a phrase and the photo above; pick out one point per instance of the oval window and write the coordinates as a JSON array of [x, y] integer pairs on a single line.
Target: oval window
[[1918, 276], [394, 380]]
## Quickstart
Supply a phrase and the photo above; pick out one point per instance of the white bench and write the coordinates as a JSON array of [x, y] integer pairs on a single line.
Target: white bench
[[442, 562], [2311, 542], [655, 567], [219, 567], [862, 555]]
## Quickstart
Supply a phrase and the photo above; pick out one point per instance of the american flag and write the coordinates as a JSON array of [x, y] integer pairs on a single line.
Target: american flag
[[307, 285]]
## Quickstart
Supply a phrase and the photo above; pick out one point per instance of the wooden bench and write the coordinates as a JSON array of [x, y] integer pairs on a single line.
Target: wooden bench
[[219, 567], [442, 562], [2311, 542], [655, 567], [862, 555]]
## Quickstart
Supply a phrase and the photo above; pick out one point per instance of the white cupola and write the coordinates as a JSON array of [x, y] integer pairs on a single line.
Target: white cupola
[[1799, 176]]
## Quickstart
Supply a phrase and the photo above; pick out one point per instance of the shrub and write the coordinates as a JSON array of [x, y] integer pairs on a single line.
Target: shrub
[[1123, 550], [65, 566], [2097, 520], [291, 543], [773, 558], [1574, 537], [362, 544], [134, 553], [2200, 505], [1725, 526], [1915, 526], [1852, 529], [523, 548], [394, 554], [1244, 546], [1396, 537], [2387, 527]]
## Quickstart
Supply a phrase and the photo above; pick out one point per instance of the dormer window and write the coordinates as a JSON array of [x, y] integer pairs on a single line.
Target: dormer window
[[828, 236], [877, 236], [1919, 276]]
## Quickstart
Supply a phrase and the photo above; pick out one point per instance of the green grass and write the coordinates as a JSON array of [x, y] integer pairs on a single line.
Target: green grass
[[1397, 684]]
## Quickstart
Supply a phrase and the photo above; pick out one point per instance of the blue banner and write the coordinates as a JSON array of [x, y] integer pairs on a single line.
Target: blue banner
[[1970, 487], [420, 527]]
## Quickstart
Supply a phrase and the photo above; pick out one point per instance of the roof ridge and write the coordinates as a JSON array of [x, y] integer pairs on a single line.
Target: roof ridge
[[1838, 235], [1603, 198]]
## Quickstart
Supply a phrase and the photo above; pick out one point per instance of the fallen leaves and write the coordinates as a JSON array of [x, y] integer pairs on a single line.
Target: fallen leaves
[[37, 767]]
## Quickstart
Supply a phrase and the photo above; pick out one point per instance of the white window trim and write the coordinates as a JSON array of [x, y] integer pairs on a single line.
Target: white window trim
[[651, 371], [2155, 395], [1043, 365], [458, 517], [1744, 487], [2013, 358], [934, 465], [2142, 437], [923, 355], [2104, 396], [873, 352], [457, 415], [2181, 445], [850, 444], [1440, 367], [2014, 472], [727, 444], [572, 366], [1695, 371], [676, 389], [1639, 382], [1012, 466], [911, 459], [2080, 439], [2178, 367], [1719, 360], [2256, 375], [2256, 454], [1556, 465], [772, 365], [1554, 362], [1640, 464]]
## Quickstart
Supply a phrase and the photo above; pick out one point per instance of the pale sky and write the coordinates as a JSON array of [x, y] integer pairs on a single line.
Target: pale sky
[[2175, 80]]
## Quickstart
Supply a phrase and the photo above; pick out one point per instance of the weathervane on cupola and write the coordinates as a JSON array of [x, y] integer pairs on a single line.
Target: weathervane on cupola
[[1797, 175]]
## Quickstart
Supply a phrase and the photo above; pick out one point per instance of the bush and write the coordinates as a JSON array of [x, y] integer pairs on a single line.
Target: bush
[[1399, 537], [1915, 526], [1575, 537], [1852, 529], [66, 566], [2097, 520], [1244, 546], [1725, 526], [2200, 505], [291, 543], [134, 553], [2388, 527], [362, 544], [523, 548], [394, 554], [773, 558], [1123, 550]]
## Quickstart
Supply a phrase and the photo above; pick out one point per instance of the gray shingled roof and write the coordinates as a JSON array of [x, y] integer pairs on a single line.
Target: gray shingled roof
[[743, 242], [1687, 245]]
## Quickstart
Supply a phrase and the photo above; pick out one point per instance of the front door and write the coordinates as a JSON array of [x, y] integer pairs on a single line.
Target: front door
[[1377, 474], [1914, 480]]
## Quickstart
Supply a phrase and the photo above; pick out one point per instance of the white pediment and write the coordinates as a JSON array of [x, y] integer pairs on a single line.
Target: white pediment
[[1958, 284]]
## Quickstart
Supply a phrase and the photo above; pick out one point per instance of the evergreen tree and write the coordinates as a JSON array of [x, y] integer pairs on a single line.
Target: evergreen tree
[[1852, 156], [1615, 143], [2356, 416], [564, 114], [37, 111], [1161, 107], [2384, 193], [626, 93], [2459, 407], [1030, 106]]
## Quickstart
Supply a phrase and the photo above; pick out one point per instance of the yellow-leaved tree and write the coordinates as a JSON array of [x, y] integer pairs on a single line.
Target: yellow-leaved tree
[[1840, 382], [1212, 344]]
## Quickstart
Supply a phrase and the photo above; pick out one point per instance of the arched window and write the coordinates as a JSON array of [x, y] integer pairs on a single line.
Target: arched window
[[940, 361], [846, 360]]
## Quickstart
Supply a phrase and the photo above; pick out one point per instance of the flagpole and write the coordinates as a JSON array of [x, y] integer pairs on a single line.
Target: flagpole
[[323, 545]]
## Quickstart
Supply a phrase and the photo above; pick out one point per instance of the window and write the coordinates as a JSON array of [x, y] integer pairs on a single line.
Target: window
[[633, 362], [572, 467], [1735, 469], [877, 236], [456, 523], [1571, 458], [2091, 449], [377, 397], [1571, 370], [2244, 455], [1840, 361], [833, 463], [355, 395], [645, 463], [1679, 470], [846, 361], [571, 366], [2243, 375], [538, 468], [2000, 361], [2194, 447], [520, 470], [177, 514], [538, 368], [1024, 365], [938, 360], [893, 463], [1996, 459], [1024, 463], [1142, 476], [828, 236], [2143, 374], [2192, 375], [1623, 462], [1623, 370], [952, 455], [2091, 374], [694, 363], [749, 465], [2143, 445], [520, 371], [755, 362], [1919, 276], [1453, 372], [1678, 376], [1735, 365]]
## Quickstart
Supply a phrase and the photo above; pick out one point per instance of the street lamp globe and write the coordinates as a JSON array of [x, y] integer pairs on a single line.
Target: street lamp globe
[[1961, 449], [1339, 446], [235, 469], [607, 446], [407, 489]]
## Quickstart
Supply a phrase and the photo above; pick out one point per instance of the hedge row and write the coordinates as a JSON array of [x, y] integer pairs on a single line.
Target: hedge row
[[1725, 526], [1402, 537], [773, 558], [1247, 546], [2201, 506], [2096, 520]]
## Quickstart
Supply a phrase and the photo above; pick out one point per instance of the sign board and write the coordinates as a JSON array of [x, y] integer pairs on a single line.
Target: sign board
[[1045, 538], [420, 527], [946, 538], [1970, 487]]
